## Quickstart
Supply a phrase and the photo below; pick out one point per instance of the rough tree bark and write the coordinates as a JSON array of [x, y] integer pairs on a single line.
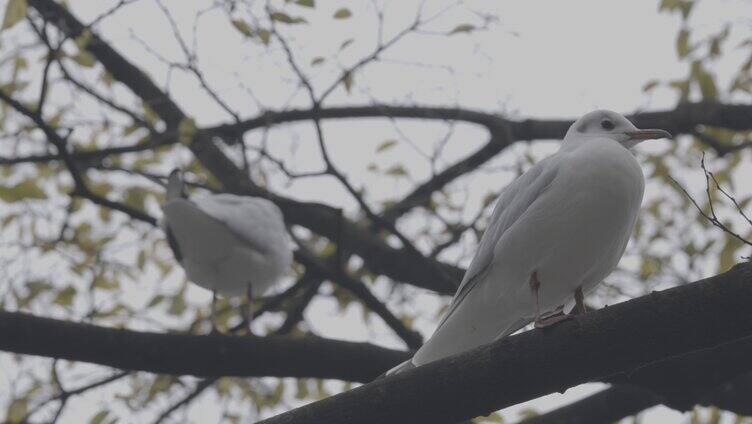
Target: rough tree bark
[[618, 340]]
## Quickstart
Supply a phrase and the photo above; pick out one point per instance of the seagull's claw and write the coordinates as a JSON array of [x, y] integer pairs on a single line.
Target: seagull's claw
[[551, 320]]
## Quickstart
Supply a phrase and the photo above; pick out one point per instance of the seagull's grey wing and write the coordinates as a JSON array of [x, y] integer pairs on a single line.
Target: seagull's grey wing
[[512, 202], [258, 222], [173, 243]]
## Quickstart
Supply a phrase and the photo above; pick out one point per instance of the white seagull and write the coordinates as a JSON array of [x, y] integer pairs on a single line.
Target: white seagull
[[556, 232], [231, 245]]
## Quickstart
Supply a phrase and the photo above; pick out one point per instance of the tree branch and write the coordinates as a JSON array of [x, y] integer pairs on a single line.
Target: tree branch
[[204, 356], [616, 340], [683, 119], [701, 377], [607, 406]]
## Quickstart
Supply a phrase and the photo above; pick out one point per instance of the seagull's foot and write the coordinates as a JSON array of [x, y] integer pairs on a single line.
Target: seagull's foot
[[552, 319]]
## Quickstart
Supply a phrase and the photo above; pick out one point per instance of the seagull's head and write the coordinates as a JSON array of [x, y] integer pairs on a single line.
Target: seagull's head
[[608, 124], [175, 185]]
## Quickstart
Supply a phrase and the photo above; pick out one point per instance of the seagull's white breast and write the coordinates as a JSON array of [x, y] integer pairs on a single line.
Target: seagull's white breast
[[576, 232], [229, 243]]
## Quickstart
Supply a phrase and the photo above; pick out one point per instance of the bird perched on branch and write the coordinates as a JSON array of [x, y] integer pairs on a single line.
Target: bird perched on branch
[[231, 245], [556, 232]]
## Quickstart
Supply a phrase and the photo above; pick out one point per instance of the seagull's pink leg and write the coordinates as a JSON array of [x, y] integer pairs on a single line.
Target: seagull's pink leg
[[213, 315], [542, 322], [249, 313]]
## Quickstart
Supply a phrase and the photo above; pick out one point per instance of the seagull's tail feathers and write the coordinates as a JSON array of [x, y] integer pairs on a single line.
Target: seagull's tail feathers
[[175, 185], [407, 365]]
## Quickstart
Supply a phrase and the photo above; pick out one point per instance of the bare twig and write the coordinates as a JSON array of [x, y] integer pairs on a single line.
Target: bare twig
[[712, 217]]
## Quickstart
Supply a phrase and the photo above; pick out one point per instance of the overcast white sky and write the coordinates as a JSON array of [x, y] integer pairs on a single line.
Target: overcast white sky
[[542, 59]]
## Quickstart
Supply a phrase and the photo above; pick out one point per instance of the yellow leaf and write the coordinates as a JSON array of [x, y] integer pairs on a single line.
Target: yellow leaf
[[15, 11]]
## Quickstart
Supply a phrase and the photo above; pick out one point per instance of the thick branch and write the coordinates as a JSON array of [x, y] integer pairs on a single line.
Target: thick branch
[[607, 406], [184, 354], [684, 119], [617, 340], [702, 377]]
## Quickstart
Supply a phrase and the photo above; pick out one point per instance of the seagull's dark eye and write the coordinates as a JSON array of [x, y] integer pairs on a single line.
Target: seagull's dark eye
[[607, 125]]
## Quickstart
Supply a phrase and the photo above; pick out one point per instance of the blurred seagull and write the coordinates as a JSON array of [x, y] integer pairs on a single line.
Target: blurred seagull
[[556, 232], [231, 245]]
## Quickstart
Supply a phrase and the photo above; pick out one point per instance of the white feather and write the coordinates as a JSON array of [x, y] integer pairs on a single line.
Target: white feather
[[568, 218], [229, 242]]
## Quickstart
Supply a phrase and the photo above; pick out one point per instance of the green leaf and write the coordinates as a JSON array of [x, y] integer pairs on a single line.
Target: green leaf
[[342, 13], [704, 80], [177, 306], [150, 116], [26, 189], [265, 36], [17, 411], [141, 259], [668, 5], [348, 81], [99, 418], [345, 44], [306, 3], [83, 39], [187, 130], [396, 171], [685, 7], [104, 283], [12, 87], [683, 48], [65, 296], [161, 384], [34, 289], [317, 61], [242, 27], [286, 19], [15, 12], [85, 59], [386, 145], [302, 391], [156, 300], [462, 28], [135, 197]]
